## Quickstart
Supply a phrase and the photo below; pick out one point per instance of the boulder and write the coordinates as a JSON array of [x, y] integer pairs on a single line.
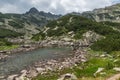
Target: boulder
[[68, 76], [24, 71], [39, 70], [3, 51], [32, 73], [98, 71], [116, 69], [22, 78], [103, 55], [12, 77], [26, 46], [1, 77]]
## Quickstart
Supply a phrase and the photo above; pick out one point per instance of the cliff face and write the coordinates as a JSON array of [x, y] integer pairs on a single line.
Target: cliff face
[[110, 13]]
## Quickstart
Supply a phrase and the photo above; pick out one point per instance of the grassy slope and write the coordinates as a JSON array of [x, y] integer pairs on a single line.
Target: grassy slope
[[85, 71], [8, 47], [8, 33], [79, 25], [4, 44]]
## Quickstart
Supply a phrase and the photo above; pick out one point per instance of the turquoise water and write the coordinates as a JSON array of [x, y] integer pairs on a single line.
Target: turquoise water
[[15, 63]]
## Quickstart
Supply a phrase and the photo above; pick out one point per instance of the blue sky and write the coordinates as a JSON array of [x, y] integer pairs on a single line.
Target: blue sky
[[54, 6]]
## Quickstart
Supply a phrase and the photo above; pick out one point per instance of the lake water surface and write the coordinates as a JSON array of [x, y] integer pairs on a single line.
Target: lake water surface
[[17, 62]]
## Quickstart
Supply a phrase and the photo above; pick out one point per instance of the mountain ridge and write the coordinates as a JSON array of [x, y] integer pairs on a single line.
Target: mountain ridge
[[28, 23], [109, 13]]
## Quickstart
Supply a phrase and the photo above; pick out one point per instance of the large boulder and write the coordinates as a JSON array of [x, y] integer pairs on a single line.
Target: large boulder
[[116, 69], [68, 76], [12, 77], [98, 71], [40, 70]]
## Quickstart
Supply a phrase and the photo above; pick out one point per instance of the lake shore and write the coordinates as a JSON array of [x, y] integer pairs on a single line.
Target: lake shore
[[34, 46], [42, 67]]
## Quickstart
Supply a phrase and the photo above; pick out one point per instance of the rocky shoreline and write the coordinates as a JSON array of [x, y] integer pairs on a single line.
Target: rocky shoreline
[[53, 65], [34, 46], [23, 48], [37, 45], [43, 67], [88, 38]]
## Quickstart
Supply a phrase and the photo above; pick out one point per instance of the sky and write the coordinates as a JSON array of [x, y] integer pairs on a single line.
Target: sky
[[53, 6]]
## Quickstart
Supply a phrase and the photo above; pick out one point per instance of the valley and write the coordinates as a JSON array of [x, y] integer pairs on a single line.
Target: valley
[[43, 46]]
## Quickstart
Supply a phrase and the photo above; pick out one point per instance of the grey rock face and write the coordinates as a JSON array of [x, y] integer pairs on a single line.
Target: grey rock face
[[33, 11], [110, 13]]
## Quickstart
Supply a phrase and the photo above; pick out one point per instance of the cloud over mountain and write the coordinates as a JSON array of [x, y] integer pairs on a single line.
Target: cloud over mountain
[[55, 6]]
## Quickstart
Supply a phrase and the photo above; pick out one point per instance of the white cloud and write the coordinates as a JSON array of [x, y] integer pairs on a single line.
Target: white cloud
[[73, 5], [55, 6], [9, 8]]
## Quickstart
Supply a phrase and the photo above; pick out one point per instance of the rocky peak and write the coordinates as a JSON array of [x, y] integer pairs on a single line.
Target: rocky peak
[[48, 14], [33, 11], [39, 14], [44, 13]]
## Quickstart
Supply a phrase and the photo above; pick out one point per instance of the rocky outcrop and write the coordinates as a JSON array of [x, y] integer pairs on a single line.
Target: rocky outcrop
[[110, 13], [88, 38], [12, 77]]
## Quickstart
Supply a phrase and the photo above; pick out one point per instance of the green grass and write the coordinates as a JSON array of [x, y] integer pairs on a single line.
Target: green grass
[[85, 71], [90, 67], [95, 52], [8, 47]]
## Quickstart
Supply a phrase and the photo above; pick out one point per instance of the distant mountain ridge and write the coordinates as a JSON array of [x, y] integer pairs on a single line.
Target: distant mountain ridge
[[110, 13], [28, 23], [49, 15]]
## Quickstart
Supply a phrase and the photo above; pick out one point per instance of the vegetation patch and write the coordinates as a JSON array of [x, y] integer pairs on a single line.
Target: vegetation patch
[[4, 42], [2, 20], [16, 24], [108, 45], [39, 36], [8, 47], [79, 25], [5, 16], [85, 71], [112, 24], [8, 33]]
